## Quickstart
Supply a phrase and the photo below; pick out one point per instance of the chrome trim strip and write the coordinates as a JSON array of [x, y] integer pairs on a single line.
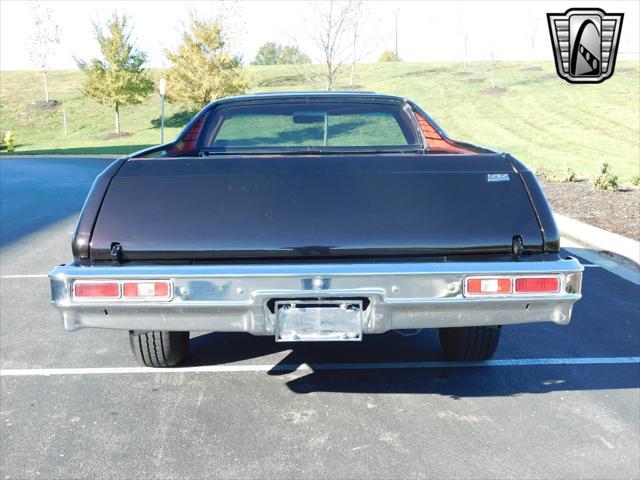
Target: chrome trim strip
[[307, 269]]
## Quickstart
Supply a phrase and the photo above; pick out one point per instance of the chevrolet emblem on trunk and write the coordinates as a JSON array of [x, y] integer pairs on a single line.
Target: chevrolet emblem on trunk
[[585, 43]]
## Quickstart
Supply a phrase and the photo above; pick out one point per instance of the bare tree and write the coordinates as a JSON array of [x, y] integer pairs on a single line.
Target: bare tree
[[533, 27], [355, 35], [366, 35], [329, 29], [494, 62], [395, 34], [463, 30], [337, 32], [465, 38], [43, 40]]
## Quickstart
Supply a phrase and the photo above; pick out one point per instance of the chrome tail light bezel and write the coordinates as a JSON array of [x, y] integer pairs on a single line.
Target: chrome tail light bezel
[[513, 293], [121, 298]]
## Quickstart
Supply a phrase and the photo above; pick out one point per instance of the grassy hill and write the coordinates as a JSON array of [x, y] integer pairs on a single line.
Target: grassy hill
[[541, 119]]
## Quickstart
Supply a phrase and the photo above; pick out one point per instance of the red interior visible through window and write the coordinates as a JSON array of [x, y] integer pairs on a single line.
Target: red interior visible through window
[[187, 145], [435, 141]]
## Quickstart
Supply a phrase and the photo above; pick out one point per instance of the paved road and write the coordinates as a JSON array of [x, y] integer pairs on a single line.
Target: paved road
[[515, 421]]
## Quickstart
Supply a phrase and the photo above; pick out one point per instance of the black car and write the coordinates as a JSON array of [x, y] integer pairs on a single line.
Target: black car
[[315, 217]]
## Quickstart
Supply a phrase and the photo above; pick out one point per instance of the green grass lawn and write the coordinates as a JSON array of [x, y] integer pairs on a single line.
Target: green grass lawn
[[342, 129], [539, 118]]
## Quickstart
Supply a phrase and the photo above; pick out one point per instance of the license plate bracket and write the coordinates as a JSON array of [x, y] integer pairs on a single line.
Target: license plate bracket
[[318, 320]]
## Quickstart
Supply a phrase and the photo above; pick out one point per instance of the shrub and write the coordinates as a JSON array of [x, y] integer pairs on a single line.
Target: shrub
[[539, 171], [389, 56], [268, 54], [291, 55], [605, 180], [10, 141], [635, 180], [564, 176]]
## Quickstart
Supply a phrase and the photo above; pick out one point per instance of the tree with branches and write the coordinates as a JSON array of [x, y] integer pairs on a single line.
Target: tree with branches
[[268, 54], [119, 78], [356, 32], [329, 30], [463, 30], [202, 68], [342, 33], [272, 53], [291, 55], [494, 64], [42, 41], [533, 32]]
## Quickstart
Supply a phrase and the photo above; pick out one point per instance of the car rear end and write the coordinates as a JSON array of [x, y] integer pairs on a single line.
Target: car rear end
[[324, 244], [250, 297]]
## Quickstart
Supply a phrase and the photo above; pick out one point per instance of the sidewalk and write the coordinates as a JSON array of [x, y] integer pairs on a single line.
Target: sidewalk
[[598, 239]]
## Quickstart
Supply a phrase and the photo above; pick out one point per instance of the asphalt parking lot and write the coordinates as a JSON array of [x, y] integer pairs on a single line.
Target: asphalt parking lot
[[560, 402]]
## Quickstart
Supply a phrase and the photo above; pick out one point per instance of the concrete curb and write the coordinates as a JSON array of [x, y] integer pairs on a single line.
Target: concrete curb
[[598, 238]]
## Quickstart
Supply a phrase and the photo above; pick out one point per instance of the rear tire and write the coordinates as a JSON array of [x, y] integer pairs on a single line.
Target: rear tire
[[469, 343], [159, 349]]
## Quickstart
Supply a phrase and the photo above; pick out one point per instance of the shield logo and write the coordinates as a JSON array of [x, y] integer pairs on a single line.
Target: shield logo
[[585, 43]]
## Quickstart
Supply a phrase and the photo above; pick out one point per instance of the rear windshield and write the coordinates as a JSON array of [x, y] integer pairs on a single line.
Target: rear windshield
[[311, 127]]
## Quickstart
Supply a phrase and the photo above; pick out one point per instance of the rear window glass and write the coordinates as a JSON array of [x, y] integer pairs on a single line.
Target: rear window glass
[[311, 125]]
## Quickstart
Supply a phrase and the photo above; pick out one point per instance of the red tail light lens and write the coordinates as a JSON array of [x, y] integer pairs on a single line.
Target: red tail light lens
[[512, 285], [89, 290], [488, 285], [538, 285], [152, 290], [96, 290]]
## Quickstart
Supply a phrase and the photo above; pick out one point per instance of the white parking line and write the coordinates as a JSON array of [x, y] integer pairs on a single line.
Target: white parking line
[[278, 367]]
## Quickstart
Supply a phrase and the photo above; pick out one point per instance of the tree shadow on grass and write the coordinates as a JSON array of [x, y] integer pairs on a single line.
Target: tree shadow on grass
[[279, 81], [177, 120], [294, 137]]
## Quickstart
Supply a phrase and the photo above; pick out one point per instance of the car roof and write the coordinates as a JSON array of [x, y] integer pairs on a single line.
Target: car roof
[[315, 95]]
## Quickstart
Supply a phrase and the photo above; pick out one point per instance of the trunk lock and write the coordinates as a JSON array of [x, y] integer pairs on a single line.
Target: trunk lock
[[517, 245], [116, 252]]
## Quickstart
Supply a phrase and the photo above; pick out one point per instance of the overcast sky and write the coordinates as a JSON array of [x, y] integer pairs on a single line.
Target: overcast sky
[[428, 30]]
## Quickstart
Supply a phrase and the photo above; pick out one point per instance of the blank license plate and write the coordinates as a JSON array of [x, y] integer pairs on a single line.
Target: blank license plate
[[318, 321]]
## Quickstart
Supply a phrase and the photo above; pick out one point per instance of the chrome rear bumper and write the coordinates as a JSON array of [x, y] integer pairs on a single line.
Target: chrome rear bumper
[[239, 298]]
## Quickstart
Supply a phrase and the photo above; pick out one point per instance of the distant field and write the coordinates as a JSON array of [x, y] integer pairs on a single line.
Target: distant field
[[541, 119]]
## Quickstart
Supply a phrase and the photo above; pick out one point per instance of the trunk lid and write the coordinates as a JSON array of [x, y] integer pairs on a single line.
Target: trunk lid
[[244, 207]]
